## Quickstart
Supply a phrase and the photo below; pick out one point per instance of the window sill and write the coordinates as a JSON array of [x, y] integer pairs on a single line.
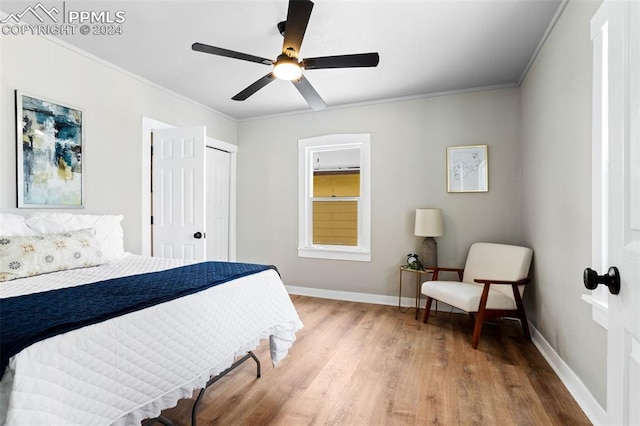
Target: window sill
[[334, 253], [599, 309]]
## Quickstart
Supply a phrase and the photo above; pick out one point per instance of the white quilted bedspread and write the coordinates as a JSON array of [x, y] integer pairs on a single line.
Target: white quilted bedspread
[[129, 368]]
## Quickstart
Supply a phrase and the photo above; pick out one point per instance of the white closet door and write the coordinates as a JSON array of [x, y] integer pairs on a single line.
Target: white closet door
[[218, 202]]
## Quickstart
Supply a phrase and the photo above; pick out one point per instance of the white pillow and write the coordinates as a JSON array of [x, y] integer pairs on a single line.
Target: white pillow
[[13, 224], [108, 228], [25, 256]]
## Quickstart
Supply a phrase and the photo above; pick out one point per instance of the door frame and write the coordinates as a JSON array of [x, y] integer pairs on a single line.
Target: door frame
[[148, 125]]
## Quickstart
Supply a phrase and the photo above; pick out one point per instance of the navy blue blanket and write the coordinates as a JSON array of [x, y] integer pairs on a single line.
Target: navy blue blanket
[[25, 320]]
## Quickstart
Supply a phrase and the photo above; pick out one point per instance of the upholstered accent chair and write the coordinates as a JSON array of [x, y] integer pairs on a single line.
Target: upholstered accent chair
[[491, 285]]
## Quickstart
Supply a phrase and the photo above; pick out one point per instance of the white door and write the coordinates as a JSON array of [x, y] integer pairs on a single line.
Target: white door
[[178, 192], [218, 202], [623, 354]]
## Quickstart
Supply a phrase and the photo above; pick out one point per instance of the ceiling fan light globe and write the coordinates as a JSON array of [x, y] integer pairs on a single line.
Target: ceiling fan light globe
[[287, 71]]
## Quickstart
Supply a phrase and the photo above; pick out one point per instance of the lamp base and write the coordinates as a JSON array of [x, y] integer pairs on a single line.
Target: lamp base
[[429, 252]]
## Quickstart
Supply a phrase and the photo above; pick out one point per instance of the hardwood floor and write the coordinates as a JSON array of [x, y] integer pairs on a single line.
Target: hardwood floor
[[362, 364]]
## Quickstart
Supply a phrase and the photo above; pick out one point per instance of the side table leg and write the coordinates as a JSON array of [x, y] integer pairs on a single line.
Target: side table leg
[[417, 295], [400, 295]]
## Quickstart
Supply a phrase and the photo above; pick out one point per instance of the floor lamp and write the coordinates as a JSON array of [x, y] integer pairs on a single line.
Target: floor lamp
[[429, 224]]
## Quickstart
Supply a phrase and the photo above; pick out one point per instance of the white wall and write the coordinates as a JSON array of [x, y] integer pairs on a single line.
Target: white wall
[[114, 103], [408, 156], [556, 208]]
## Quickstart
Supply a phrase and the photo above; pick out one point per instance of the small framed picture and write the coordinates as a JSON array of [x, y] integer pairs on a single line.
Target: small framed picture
[[467, 169], [49, 153]]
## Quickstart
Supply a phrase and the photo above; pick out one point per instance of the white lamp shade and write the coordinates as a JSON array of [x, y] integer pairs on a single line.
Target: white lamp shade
[[429, 223]]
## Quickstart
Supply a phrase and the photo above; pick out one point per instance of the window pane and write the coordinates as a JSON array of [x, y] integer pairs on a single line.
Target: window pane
[[335, 223], [336, 184], [336, 159]]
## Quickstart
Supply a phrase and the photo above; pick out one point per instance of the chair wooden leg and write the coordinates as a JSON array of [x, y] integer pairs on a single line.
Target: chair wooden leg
[[521, 313], [477, 328], [480, 317], [525, 325], [427, 309]]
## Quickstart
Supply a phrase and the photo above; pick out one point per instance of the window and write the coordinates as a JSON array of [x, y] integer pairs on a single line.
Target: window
[[334, 211], [600, 162]]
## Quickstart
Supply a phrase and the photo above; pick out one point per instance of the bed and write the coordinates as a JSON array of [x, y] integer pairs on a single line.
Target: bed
[[128, 368]]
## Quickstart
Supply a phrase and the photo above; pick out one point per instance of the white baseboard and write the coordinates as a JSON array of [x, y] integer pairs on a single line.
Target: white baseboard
[[378, 299], [596, 414], [348, 296]]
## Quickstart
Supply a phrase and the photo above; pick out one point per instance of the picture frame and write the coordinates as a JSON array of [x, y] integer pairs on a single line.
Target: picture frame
[[467, 168], [49, 148]]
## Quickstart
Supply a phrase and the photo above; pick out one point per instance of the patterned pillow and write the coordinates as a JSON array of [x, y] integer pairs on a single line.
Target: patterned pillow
[[25, 256]]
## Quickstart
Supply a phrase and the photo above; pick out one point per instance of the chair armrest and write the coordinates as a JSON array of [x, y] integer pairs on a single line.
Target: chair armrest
[[485, 281], [437, 269]]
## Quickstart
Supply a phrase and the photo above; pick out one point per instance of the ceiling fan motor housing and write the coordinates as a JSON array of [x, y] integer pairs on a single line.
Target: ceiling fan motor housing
[[287, 68]]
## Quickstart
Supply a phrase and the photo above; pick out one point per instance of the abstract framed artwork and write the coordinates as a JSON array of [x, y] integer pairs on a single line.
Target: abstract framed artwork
[[467, 169], [49, 151]]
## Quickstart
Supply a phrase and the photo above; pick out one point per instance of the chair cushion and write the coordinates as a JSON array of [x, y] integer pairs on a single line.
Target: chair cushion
[[467, 296], [499, 262]]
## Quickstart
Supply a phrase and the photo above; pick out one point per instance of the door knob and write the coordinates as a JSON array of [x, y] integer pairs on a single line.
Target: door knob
[[611, 279], [197, 235]]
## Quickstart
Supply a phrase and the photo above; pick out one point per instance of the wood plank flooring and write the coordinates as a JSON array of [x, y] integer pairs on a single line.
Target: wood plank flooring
[[363, 364]]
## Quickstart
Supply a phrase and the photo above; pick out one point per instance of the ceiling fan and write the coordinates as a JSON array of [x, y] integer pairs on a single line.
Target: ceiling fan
[[287, 66]]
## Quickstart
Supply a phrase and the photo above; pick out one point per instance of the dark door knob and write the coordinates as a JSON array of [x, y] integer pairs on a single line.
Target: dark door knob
[[197, 235], [611, 279]]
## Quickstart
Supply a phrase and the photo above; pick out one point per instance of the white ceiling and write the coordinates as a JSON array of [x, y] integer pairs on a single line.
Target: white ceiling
[[426, 47]]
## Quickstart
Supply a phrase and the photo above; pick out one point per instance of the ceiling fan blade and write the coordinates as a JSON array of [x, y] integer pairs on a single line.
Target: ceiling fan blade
[[309, 94], [297, 20], [205, 48], [342, 61], [253, 88]]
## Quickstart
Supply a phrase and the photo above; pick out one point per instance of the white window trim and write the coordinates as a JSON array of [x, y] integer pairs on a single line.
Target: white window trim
[[598, 298], [306, 248]]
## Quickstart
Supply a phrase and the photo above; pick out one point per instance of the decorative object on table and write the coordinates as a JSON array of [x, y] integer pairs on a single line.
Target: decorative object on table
[[467, 169], [413, 262], [429, 224], [49, 151]]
